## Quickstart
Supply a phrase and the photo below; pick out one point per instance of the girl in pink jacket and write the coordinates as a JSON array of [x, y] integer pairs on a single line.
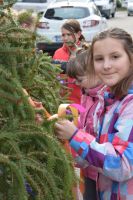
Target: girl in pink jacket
[[90, 86]]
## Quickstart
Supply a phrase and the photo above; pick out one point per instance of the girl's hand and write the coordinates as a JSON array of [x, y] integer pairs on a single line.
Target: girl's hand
[[64, 129]]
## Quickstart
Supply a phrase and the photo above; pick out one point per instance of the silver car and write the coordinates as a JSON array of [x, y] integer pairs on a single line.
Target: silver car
[[57, 13], [130, 7], [37, 6]]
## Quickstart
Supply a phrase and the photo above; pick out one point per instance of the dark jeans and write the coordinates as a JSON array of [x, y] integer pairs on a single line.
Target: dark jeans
[[90, 189]]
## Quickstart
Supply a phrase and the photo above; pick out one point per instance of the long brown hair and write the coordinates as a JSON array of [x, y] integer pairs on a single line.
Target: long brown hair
[[122, 87], [79, 65]]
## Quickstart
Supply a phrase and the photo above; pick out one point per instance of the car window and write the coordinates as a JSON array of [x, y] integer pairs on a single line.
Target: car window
[[67, 13]]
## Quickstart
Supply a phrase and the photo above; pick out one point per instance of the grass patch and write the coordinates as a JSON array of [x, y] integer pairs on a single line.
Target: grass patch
[[121, 9]]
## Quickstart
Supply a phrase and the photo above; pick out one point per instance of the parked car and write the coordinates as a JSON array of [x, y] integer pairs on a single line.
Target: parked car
[[124, 3], [130, 7], [37, 6], [106, 7], [57, 13]]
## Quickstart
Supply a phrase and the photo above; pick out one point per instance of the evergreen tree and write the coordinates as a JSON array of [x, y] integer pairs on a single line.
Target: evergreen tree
[[33, 163]]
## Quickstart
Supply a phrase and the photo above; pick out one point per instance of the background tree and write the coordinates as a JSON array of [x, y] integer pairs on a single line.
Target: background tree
[[33, 164]]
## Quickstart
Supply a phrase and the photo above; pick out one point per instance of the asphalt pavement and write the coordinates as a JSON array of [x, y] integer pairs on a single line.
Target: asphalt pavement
[[121, 20]]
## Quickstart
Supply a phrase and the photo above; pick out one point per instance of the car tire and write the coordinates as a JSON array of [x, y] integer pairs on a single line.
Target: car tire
[[108, 15], [128, 14], [113, 14]]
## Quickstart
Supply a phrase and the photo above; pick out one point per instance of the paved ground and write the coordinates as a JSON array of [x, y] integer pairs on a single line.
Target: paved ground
[[121, 20]]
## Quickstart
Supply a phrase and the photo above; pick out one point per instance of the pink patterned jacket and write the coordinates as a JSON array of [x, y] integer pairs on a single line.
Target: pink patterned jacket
[[110, 151], [89, 101]]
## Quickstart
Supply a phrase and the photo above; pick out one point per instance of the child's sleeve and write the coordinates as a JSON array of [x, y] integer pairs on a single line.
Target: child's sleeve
[[113, 159]]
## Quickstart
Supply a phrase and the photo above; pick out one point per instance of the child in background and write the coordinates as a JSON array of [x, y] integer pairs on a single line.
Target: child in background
[[73, 42], [90, 85], [111, 149]]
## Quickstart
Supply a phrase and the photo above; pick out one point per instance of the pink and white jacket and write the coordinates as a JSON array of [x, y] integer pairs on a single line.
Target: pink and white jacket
[[89, 101], [110, 151]]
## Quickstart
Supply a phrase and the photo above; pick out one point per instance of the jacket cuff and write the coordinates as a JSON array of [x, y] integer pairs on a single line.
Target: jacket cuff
[[75, 132], [80, 142]]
